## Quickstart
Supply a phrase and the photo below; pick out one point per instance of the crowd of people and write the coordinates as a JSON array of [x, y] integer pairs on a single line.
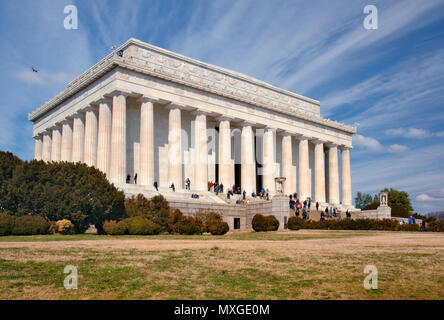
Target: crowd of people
[[303, 209]]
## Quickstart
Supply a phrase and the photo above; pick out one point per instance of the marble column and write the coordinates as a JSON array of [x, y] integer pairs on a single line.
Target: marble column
[[78, 137], [346, 177], [118, 139], [38, 147], [319, 172], [104, 136], [56, 144], [175, 147], [46, 150], [248, 162], [66, 154], [304, 163], [333, 174], [226, 170], [90, 148], [287, 164], [201, 165], [146, 170], [269, 160]]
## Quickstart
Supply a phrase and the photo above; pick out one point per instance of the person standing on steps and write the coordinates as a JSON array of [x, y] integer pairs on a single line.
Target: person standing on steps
[[135, 178], [317, 206], [155, 186], [128, 178], [173, 187]]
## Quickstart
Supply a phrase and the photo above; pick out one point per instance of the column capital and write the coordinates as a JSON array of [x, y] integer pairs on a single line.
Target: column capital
[[318, 141], [200, 113], [143, 99], [302, 137], [118, 92], [172, 106], [37, 136], [66, 121], [101, 100], [55, 127], [344, 147], [284, 133], [78, 115], [89, 108], [331, 144], [224, 118], [246, 123], [47, 132]]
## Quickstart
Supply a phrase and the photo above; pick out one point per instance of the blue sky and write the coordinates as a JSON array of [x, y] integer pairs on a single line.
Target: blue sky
[[388, 82]]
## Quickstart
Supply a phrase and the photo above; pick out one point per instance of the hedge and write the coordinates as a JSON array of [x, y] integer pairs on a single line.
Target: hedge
[[295, 223], [30, 225], [264, 223], [141, 226], [6, 224]]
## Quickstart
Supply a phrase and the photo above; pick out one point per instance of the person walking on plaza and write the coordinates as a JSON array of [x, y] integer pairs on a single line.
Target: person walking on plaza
[[244, 195], [304, 214]]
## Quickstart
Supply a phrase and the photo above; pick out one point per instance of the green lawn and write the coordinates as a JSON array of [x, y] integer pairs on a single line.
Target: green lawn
[[294, 265]]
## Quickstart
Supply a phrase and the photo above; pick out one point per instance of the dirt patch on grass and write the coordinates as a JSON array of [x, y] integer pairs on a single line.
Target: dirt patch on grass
[[306, 264]]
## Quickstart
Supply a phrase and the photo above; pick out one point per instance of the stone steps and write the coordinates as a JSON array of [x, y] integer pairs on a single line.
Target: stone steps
[[316, 215], [178, 195]]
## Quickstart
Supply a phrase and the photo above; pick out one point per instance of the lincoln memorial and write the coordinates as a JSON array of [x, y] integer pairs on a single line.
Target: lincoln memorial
[[168, 118]]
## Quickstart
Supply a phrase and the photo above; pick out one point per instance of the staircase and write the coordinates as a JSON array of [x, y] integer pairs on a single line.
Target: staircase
[[179, 195], [315, 215]]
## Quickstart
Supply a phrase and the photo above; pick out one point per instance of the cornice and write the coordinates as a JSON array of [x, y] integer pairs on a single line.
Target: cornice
[[160, 63]]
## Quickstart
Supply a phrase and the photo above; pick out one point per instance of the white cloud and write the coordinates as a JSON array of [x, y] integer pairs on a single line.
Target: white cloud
[[397, 148], [409, 133], [366, 142], [425, 197], [43, 78]]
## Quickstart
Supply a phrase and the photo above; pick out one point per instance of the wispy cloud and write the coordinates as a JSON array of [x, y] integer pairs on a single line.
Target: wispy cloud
[[423, 197], [366, 142], [43, 77], [397, 148]]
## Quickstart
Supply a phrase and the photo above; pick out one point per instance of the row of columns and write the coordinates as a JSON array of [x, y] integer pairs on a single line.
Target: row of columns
[[98, 138]]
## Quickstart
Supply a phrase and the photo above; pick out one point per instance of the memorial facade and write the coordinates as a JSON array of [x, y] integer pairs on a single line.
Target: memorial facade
[[166, 117]]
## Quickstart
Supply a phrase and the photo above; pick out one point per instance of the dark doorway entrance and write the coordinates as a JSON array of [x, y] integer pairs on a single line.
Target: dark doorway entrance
[[236, 223], [237, 175], [258, 167]]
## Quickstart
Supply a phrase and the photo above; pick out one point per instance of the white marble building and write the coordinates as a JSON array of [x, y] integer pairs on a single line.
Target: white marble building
[[168, 117]]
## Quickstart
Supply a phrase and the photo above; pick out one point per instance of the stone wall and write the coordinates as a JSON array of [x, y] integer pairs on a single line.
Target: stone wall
[[382, 212], [231, 211]]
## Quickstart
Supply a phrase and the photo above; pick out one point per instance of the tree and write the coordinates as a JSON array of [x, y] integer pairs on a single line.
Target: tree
[[400, 198], [8, 162], [362, 200], [63, 190]]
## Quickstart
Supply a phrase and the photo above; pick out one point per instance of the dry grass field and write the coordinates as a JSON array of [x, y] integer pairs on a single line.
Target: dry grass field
[[305, 264]]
